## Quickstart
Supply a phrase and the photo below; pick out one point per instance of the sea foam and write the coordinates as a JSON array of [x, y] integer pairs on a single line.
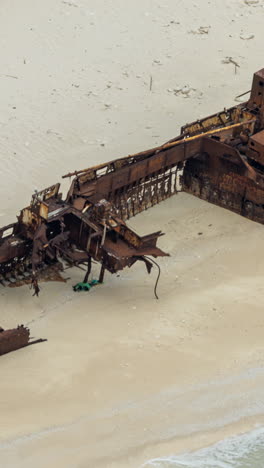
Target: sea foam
[[242, 451]]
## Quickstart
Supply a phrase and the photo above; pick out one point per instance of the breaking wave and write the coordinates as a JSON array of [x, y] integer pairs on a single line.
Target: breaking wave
[[242, 451]]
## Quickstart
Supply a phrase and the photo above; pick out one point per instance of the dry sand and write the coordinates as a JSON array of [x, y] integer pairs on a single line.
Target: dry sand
[[123, 377]]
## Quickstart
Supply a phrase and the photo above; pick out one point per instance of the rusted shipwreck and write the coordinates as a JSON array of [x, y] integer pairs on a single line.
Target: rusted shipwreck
[[16, 338], [219, 158]]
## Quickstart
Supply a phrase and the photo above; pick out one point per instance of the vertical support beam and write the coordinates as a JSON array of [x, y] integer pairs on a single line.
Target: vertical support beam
[[133, 198], [155, 189], [102, 272], [175, 181], [121, 203], [143, 201], [89, 268]]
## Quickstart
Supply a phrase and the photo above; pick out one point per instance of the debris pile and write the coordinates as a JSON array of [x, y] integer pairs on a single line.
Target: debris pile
[[219, 158]]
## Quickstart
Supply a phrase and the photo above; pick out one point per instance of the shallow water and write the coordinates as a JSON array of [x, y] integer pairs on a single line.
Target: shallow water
[[243, 451]]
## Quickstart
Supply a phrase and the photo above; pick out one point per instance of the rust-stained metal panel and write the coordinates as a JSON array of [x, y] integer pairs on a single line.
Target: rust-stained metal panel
[[16, 338], [43, 210], [11, 340], [255, 149]]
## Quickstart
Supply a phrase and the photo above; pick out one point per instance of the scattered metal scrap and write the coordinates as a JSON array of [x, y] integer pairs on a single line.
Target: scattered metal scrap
[[16, 338], [228, 60], [73, 231], [219, 158]]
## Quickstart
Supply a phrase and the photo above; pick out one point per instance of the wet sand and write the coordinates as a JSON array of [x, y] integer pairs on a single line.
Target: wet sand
[[123, 377]]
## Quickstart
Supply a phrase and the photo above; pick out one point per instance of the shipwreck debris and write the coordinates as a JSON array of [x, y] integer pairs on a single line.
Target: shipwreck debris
[[16, 338], [219, 158], [228, 60]]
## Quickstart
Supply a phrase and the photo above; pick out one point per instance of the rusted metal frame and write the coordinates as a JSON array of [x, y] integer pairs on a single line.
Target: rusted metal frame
[[173, 175], [91, 235], [139, 188], [6, 228], [88, 239], [45, 194], [165, 184], [89, 268], [158, 186], [142, 205], [83, 217], [175, 180], [137, 195], [162, 184], [133, 197], [137, 202], [168, 177], [168, 183], [145, 182], [126, 199], [150, 192], [102, 272], [122, 209], [146, 192], [117, 201], [129, 201], [124, 204], [125, 195], [141, 195], [150, 175], [155, 189], [151, 153], [152, 188], [96, 250], [151, 181], [146, 154], [221, 119], [230, 196], [159, 178], [145, 167], [81, 230]]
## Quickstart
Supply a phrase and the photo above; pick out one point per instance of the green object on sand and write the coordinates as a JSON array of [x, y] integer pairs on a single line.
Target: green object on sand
[[85, 286]]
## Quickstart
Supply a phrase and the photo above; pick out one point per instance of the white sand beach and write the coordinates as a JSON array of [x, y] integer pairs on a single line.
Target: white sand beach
[[124, 378]]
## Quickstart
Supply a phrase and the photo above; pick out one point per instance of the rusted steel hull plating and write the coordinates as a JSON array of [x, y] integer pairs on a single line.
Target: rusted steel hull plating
[[219, 159], [16, 338]]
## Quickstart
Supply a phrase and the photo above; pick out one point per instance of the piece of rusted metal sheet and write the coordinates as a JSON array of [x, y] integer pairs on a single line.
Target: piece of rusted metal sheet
[[16, 338]]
